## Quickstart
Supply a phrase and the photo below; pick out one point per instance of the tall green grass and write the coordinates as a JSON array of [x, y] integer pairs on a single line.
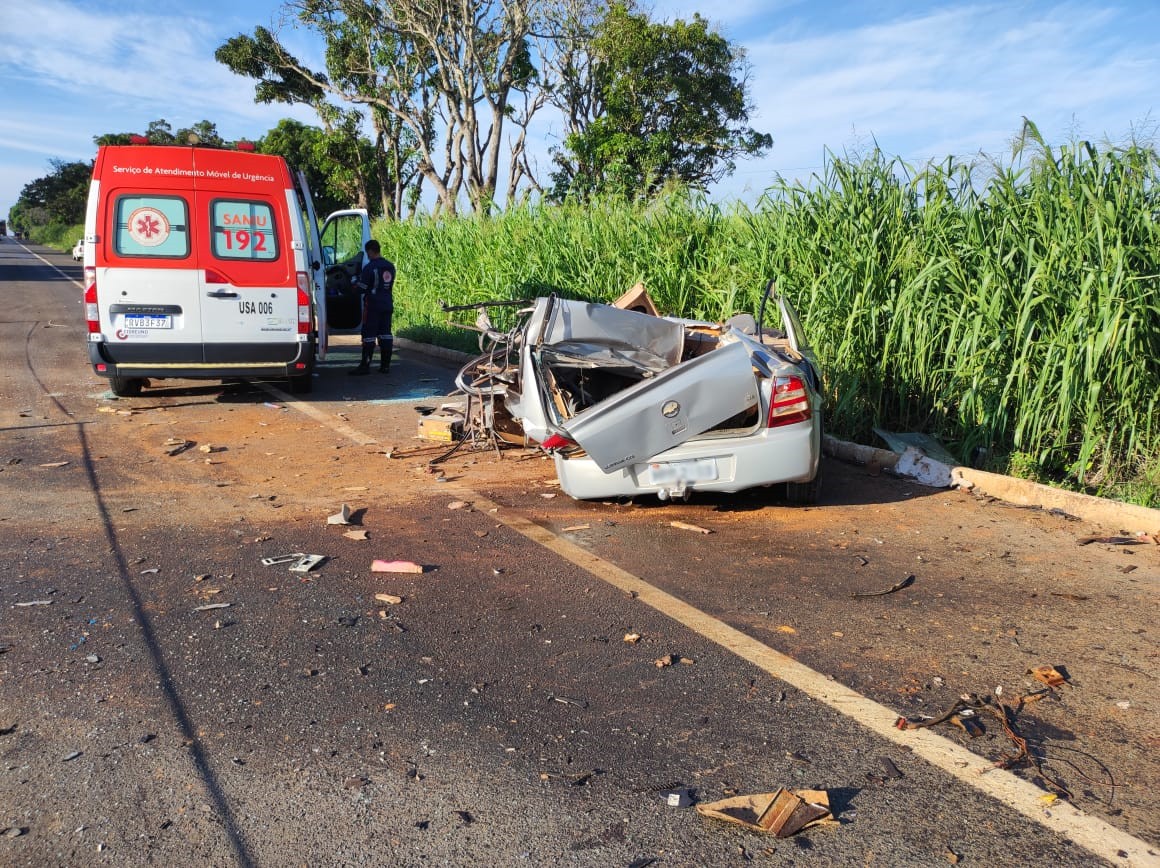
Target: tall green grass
[[1010, 309]]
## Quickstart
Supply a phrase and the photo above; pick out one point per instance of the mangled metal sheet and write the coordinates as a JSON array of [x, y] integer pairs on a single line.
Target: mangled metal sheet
[[591, 335], [666, 410]]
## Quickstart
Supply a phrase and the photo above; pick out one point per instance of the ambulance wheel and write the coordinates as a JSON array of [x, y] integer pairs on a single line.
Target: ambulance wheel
[[126, 387], [303, 384]]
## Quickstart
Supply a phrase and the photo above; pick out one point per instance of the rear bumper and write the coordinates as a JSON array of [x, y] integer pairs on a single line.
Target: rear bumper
[[789, 454], [202, 361]]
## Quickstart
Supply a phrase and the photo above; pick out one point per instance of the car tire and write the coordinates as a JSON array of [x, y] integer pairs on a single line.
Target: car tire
[[804, 493], [126, 387]]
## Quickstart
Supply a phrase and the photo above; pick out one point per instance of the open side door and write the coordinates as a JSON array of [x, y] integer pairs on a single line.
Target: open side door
[[343, 238], [314, 263], [666, 410]]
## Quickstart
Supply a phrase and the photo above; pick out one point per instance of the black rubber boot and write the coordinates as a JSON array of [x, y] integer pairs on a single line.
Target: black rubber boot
[[386, 347], [364, 367]]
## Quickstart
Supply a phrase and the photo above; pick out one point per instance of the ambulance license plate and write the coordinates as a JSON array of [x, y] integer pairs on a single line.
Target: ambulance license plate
[[145, 321]]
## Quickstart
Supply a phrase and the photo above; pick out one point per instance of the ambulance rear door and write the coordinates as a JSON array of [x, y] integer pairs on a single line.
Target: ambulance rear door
[[248, 282], [146, 272]]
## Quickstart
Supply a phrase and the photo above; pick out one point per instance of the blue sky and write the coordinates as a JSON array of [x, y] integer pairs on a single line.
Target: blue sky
[[923, 80]]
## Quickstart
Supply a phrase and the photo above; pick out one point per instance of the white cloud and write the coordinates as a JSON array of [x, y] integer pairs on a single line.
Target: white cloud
[[950, 82]]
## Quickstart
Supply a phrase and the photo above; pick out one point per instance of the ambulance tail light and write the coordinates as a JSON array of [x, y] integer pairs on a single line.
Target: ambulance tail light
[[304, 319], [92, 310]]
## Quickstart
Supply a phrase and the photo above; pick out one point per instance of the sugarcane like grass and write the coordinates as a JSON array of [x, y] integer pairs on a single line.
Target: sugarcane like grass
[[1012, 310]]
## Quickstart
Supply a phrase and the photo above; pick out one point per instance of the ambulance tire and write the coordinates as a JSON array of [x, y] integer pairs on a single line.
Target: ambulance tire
[[126, 387], [303, 384]]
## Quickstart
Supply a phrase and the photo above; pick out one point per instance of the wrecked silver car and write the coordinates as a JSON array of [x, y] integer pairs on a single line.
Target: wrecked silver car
[[629, 403]]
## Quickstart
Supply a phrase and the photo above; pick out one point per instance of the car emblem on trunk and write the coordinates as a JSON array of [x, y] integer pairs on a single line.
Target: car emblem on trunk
[[670, 409]]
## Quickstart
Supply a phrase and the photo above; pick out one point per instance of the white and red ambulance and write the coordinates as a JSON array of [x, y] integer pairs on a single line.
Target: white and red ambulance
[[207, 263]]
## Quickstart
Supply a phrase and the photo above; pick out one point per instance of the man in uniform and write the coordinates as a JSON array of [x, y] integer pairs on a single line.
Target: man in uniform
[[377, 283]]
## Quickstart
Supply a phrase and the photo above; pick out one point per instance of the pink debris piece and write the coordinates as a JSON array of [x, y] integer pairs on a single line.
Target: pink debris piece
[[396, 567]]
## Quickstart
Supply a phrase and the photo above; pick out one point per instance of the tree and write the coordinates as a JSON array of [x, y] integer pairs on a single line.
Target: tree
[[335, 175], [448, 73], [669, 102], [58, 197], [353, 164]]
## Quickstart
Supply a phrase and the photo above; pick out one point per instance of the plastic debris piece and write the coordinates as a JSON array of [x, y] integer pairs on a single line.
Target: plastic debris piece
[[631, 638], [55, 464], [787, 629], [916, 465], [306, 563], [457, 504], [678, 797], [283, 559], [206, 447], [356, 534], [576, 527], [389, 598], [340, 517], [175, 446], [152, 571], [395, 567], [34, 603], [1049, 675], [71, 756], [781, 813], [681, 525], [208, 606]]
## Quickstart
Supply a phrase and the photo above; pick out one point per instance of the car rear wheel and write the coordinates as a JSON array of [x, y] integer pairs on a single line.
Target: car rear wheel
[[804, 493], [126, 387]]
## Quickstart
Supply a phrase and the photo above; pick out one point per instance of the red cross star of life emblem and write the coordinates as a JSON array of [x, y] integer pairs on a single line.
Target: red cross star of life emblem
[[148, 227]]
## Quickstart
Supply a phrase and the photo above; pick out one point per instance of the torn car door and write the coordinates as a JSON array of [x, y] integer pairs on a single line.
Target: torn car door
[[666, 410]]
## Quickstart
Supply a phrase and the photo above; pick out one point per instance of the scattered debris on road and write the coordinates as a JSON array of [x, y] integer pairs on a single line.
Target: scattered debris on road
[[392, 599], [681, 525], [176, 445], [897, 586], [306, 563], [1110, 540], [396, 567], [208, 606], [340, 517], [356, 535], [678, 797], [1049, 675], [781, 813]]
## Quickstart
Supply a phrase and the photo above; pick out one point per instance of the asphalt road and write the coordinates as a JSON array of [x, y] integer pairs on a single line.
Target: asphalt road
[[496, 715]]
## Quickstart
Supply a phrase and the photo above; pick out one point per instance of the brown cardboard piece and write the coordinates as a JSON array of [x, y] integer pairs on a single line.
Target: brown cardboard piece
[[781, 813]]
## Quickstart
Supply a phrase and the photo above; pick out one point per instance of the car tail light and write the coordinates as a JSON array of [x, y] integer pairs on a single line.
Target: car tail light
[[304, 322], [789, 403], [92, 310], [557, 441]]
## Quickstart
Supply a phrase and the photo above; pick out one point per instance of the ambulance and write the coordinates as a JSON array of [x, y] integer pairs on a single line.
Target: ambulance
[[208, 263]]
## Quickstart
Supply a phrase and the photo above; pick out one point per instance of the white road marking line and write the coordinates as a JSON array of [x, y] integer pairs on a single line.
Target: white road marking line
[[1093, 834], [317, 415]]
